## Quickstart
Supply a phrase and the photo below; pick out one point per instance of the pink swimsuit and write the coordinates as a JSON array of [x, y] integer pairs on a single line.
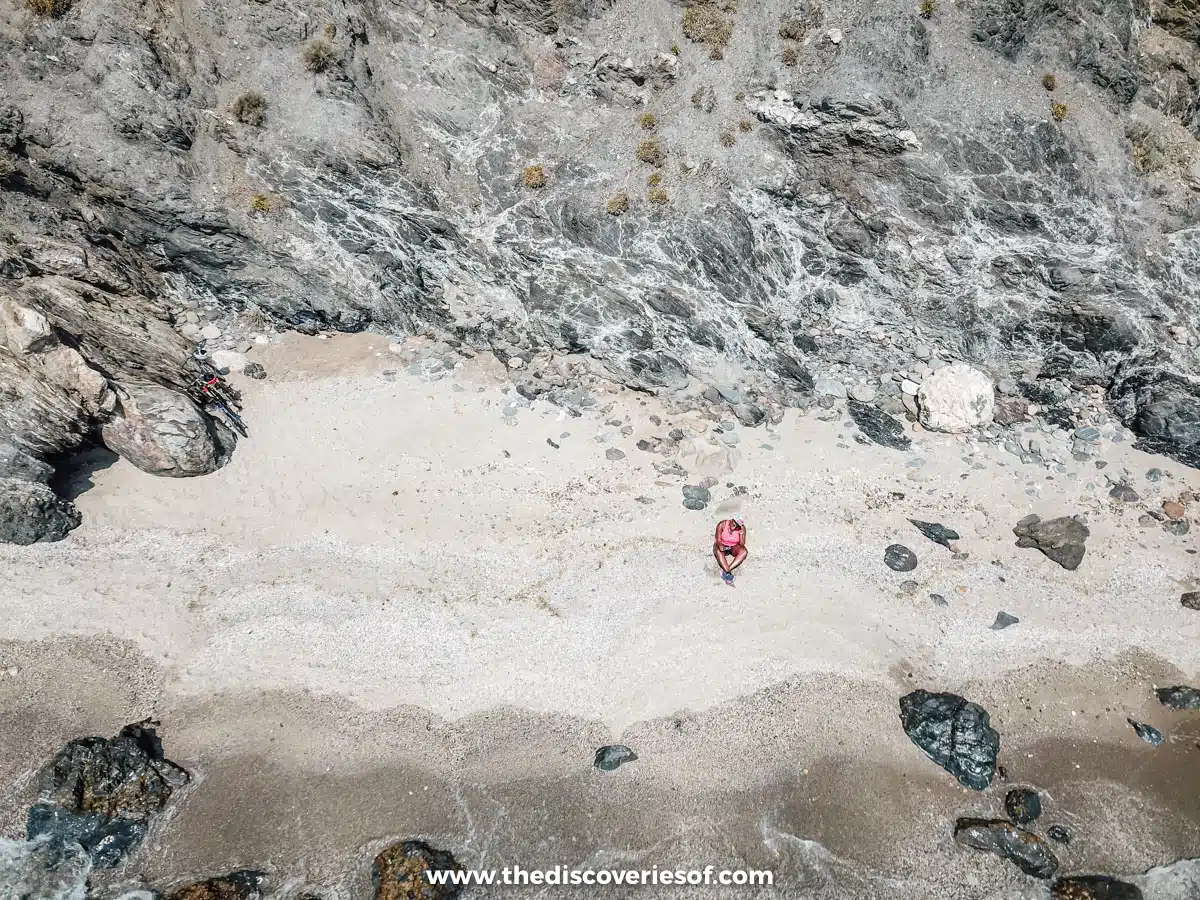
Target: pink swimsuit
[[728, 535]]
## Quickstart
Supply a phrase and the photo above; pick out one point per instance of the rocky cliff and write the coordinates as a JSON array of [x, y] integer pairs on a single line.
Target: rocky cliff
[[692, 194]]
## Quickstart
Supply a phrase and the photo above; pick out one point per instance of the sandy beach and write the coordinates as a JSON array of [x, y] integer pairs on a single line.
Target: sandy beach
[[414, 606]]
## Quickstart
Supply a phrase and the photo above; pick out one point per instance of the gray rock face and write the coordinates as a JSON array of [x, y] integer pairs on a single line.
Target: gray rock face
[[1180, 697], [43, 870], [31, 512], [1023, 848], [1061, 539], [164, 433], [955, 733], [101, 794]]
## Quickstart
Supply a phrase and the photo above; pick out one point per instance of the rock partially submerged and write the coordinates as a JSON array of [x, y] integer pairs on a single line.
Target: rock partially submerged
[[612, 756], [955, 733], [1061, 539], [1023, 805], [103, 793], [877, 425], [43, 870], [399, 872], [1025, 849], [245, 884], [1179, 697]]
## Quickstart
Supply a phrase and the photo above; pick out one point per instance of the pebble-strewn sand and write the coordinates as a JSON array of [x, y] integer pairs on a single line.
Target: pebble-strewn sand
[[395, 614]]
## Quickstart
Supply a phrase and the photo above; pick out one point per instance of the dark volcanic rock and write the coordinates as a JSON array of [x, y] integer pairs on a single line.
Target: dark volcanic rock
[[1191, 599], [883, 429], [31, 512], [399, 872], [254, 370], [899, 558], [1179, 697], [1060, 539], [103, 793], [1147, 733], [1022, 805], [1060, 833], [1003, 620], [1123, 493], [245, 884], [1024, 848], [955, 733], [939, 534], [612, 756], [1094, 887]]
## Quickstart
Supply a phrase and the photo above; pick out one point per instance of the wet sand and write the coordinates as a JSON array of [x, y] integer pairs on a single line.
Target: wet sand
[[394, 615]]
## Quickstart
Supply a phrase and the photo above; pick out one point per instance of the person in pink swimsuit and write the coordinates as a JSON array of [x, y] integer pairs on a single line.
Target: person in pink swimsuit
[[729, 547]]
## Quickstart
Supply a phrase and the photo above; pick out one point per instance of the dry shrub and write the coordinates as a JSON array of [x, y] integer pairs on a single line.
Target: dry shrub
[[727, 138], [49, 9], [927, 8], [789, 57], [250, 108], [260, 203], [658, 196], [1059, 111], [652, 151], [705, 23], [1049, 82], [648, 121], [330, 31], [317, 55], [618, 204], [746, 125], [534, 177], [655, 179]]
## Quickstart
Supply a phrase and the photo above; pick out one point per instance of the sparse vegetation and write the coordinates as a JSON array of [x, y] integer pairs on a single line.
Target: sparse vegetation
[[792, 29], [618, 204], [739, 96], [789, 57], [648, 121], [705, 23], [746, 125], [1058, 111], [250, 108], [727, 137], [652, 151], [927, 8], [658, 196], [675, 49], [7, 166], [655, 179], [260, 203], [49, 9], [330, 31], [717, 52], [534, 177], [318, 55], [1049, 82], [1158, 153]]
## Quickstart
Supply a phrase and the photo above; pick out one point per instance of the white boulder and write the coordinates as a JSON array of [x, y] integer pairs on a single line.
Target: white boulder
[[956, 398]]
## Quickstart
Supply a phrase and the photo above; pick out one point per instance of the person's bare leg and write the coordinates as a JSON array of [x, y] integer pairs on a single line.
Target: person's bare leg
[[722, 559], [739, 557]]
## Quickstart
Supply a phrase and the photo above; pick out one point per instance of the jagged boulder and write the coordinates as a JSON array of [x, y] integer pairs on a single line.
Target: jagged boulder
[[955, 733], [1061, 539], [101, 794], [31, 512], [956, 398], [164, 433]]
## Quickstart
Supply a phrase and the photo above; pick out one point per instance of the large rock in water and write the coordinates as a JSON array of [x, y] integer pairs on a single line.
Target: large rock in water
[[103, 793], [955, 733], [1060, 539], [31, 512], [956, 398], [1024, 848], [399, 872], [164, 433], [43, 870]]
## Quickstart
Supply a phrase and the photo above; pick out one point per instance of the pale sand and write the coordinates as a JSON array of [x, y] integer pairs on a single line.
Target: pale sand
[[391, 590]]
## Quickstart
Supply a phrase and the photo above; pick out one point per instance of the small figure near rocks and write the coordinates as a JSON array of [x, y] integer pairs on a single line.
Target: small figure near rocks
[[1024, 848], [955, 733], [1059, 833], [1003, 620], [956, 399], [399, 872], [1023, 805], [242, 885], [1180, 697], [729, 547], [899, 558], [1147, 733], [939, 534], [611, 756], [1060, 539], [1094, 887]]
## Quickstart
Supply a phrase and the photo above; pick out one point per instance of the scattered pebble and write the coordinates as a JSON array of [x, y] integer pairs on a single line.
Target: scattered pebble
[[613, 756], [1147, 733], [899, 558], [1004, 620], [612, 453]]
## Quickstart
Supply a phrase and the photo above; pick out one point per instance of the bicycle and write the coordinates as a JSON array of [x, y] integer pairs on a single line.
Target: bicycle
[[217, 392]]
